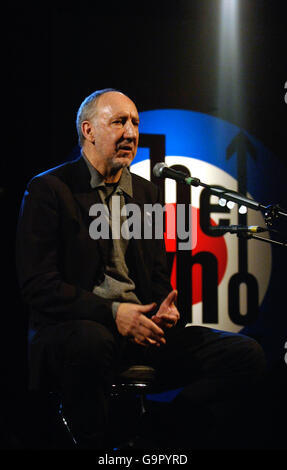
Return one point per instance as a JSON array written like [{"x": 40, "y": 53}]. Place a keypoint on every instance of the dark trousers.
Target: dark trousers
[{"x": 83, "y": 358}]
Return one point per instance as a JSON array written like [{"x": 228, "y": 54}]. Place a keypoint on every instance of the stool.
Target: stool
[{"x": 136, "y": 380}]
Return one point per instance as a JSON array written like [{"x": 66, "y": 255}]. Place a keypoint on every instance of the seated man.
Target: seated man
[{"x": 98, "y": 304}]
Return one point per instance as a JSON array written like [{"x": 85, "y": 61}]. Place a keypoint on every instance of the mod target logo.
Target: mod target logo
[{"x": 223, "y": 279}]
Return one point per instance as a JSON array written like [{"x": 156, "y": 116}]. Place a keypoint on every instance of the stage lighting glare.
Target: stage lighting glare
[{"x": 229, "y": 80}]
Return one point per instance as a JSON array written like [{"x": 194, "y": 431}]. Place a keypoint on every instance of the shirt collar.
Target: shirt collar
[{"x": 97, "y": 180}]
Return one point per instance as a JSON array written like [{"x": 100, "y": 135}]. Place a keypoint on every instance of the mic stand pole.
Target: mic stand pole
[
  {"x": 272, "y": 211},
  {"x": 267, "y": 240}
]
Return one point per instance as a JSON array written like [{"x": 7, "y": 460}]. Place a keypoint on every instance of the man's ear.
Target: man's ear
[{"x": 88, "y": 131}]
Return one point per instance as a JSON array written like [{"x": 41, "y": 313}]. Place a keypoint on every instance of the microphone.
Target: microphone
[
  {"x": 161, "y": 170},
  {"x": 238, "y": 228}
]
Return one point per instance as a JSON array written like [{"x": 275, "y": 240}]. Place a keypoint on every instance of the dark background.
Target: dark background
[{"x": 163, "y": 56}]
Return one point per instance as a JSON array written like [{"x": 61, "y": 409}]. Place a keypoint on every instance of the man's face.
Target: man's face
[{"x": 115, "y": 128}]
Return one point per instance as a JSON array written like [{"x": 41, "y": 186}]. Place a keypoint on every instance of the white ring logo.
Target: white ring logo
[{"x": 259, "y": 260}]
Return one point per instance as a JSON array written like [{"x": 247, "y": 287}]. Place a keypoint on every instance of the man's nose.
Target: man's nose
[{"x": 130, "y": 131}]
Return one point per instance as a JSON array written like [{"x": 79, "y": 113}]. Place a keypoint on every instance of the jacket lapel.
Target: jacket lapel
[
  {"x": 135, "y": 253},
  {"x": 86, "y": 197}
]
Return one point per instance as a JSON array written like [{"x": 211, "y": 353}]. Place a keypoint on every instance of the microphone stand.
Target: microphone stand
[
  {"x": 272, "y": 211},
  {"x": 247, "y": 236}
]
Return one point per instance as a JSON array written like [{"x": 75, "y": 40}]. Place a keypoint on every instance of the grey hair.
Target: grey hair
[{"x": 87, "y": 110}]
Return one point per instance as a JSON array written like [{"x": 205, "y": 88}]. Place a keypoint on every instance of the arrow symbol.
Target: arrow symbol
[{"x": 241, "y": 146}]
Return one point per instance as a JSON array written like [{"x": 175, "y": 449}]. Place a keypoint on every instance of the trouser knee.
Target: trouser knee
[{"x": 257, "y": 360}]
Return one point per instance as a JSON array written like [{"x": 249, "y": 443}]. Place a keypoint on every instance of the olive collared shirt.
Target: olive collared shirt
[{"x": 116, "y": 285}]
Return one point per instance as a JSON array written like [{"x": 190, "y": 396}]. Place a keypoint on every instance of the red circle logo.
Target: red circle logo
[{"x": 204, "y": 243}]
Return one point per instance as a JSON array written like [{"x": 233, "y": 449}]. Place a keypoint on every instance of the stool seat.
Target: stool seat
[{"x": 136, "y": 376}]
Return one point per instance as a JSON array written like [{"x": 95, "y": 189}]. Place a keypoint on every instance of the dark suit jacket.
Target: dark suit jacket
[{"x": 59, "y": 263}]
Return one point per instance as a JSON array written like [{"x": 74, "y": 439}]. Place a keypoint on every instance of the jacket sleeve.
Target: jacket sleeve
[{"x": 37, "y": 260}]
